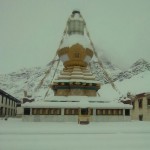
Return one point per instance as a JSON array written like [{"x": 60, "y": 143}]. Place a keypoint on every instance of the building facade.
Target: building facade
[
  {"x": 75, "y": 88},
  {"x": 141, "y": 107},
  {"x": 8, "y": 104},
  {"x": 81, "y": 109}
]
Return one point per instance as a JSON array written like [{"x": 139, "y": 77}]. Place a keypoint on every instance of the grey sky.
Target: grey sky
[{"x": 30, "y": 30}]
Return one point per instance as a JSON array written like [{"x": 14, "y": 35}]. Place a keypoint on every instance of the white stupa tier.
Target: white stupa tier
[
  {"x": 75, "y": 81},
  {"x": 75, "y": 32},
  {"x": 75, "y": 73},
  {"x": 76, "y": 39}
]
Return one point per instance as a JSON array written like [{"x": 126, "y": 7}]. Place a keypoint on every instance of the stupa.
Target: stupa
[
  {"x": 75, "y": 52},
  {"x": 75, "y": 88}
]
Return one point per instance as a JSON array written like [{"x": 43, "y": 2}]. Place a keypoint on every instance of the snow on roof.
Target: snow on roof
[
  {"x": 125, "y": 99},
  {"x": 76, "y": 102},
  {"x": 74, "y": 39}
]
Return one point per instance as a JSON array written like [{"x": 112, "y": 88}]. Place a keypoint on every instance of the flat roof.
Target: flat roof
[
  {"x": 9, "y": 96},
  {"x": 76, "y": 102}
]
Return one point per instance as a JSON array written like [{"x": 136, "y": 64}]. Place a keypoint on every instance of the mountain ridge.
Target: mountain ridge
[{"x": 28, "y": 79}]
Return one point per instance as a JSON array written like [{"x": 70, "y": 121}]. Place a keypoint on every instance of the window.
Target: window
[
  {"x": 2, "y": 99},
  {"x": 26, "y": 111},
  {"x": 140, "y": 103},
  {"x": 115, "y": 112},
  {"x": 148, "y": 101},
  {"x": 54, "y": 111},
  {"x": 5, "y": 101},
  {"x": 33, "y": 111},
  {"x": 38, "y": 111},
  {"x": 70, "y": 111},
  {"x": 1, "y": 111},
  {"x": 8, "y": 111},
  {"x": 46, "y": 111},
  {"x": 14, "y": 112},
  {"x": 84, "y": 111},
  {"x": 11, "y": 112},
  {"x": 127, "y": 112},
  {"x": 106, "y": 112},
  {"x": 5, "y": 111},
  {"x": 109, "y": 112},
  {"x": 100, "y": 111}
]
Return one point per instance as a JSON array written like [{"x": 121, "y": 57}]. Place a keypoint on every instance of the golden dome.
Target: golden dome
[{"x": 76, "y": 55}]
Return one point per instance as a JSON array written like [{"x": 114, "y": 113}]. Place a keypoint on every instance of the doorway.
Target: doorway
[
  {"x": 141, "y": 117},
  {"x": 84, "y": 111},
  {"x": 84, "y": 117}
]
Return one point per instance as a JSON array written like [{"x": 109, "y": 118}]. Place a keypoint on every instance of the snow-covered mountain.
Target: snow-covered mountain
[
  {"x": 109, "y": 67},
  {"x": 28, "y": 79},
  {"x": 139, "y": 66},
  {"x": 135, "y": 85}
]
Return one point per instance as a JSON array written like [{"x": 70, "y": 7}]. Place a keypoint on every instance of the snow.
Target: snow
[
  {"x": 18, "y": 135},
  {"x": 76, "y": 102},
  {"x": 74, "y": 39},
  {"x": 64, "y": 57},
  {"x": 136, "y": 85}
]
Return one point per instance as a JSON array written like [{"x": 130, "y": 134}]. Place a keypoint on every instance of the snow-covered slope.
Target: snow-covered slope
[
  {"x": 137, "y": 84},
  {"x": 134, "y": 80},
  {"x": 139, "y": 66},
  {"x": 25, "y": 79},
  {"x": 110, "y": 68}
]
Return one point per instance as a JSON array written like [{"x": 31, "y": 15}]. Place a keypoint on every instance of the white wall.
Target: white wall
[{"x": 50, "y": 118}]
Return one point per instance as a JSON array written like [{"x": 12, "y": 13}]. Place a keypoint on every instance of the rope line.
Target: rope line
[{"x": 99, "y": 61}]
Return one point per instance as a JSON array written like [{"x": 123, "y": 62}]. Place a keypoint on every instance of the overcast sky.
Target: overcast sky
[{"x": 30, "y": 30}]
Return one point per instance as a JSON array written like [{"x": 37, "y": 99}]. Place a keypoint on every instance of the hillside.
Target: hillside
[{"x": 134, "y": 80}]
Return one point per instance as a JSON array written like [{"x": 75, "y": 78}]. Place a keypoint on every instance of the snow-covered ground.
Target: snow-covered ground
[{"x": 18, "y": 135}]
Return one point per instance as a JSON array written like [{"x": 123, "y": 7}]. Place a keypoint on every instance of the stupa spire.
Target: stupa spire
[{"x": 75, "y": 24}]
